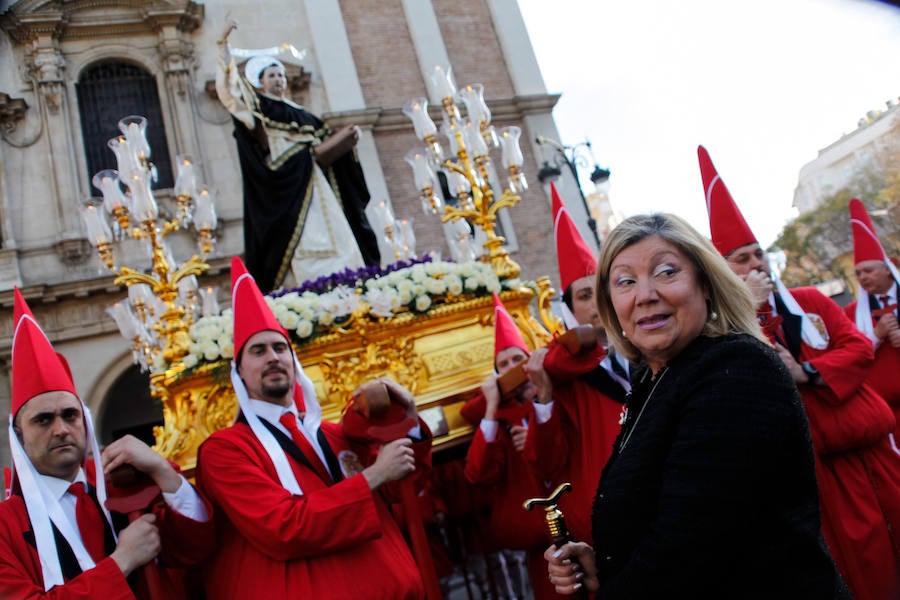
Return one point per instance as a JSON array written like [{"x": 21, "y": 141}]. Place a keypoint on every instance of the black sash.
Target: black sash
[
  {"x": 67, "y": 561},
  {"x": 792, "y": 327},
  {"x": 288, "y": 445}
]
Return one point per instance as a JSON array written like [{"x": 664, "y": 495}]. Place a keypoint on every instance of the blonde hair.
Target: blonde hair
[{"x": 729, "y": 297}]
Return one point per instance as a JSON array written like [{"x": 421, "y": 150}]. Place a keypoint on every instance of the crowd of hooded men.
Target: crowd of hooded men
[{"x": 725, "y": 437}]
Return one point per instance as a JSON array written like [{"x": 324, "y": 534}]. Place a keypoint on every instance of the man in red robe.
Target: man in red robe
[
  {"x": 829, "y": 358},
  {"x": 574, "y": 431},
  {"x": 298, "y": 515},
  {"x": 495, "y": 454},
  {"x": 57, "y": 539},
  {"x": 875, "y": 309}
]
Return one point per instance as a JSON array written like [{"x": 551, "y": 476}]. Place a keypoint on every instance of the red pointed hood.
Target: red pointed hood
[
  {"x": 575, "y": 257},
  {"x": 250, "y": 310},
  {"x": 866, "y": 245},
  {"x": 36, "y": 367},
  {"x": 727, "y": 227},
  {"x": 506, "y": 334}
]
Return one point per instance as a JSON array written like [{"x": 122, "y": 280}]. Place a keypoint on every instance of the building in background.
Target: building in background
[
  {"x": 70, "y": 70},
  {"x": 876, "y": 137}
]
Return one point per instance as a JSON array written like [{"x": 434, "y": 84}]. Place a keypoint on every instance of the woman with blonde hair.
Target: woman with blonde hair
[{"x": 711, "y": 489}]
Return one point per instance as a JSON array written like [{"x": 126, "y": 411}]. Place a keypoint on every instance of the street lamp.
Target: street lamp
[{"x": 573, "y": 156}]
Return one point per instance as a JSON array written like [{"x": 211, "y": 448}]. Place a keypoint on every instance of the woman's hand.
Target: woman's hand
[{"x": 572, "y": 567}]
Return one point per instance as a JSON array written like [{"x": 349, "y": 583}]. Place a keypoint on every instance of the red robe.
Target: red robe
[
  {"x": 884, "y": 376},
  {"x": 857, "y": 470},
  {"x": 333, "y": 541},
  {"x": 576, "y": 442},
  {"x": 185, "y": 542},
  {"x": 511, "y": 481}
]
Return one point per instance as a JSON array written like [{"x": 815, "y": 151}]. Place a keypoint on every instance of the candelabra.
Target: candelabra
[
  {"x": 572, "y": 158},
  {"x": 469, "y": 172},
  {"x": 398, "y": 233},
  {"x": 163, "y": 302}
]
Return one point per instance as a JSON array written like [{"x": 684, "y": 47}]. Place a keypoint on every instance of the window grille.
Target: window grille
[{"x": 108, "y": 91}]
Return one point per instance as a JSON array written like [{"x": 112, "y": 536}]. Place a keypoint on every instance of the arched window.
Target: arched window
[
  {"x": 108, "y": 91},
  {"x": 128, "y": 407}
]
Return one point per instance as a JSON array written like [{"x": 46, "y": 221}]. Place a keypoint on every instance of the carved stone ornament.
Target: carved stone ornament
[{"x": 12, "y": 110}]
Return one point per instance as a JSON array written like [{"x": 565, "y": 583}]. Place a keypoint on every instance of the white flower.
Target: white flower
[
  {"x": 423, "y": 303},
  {"x": 325, "y": 318},
  {"x": 454, "y": 285},
  {"x": 405, "y": 297},
  {"x": 190, "y": 361},
  {"x": 435, "y": 286},
  {"x": 417, "y": 273},
  {"x": 472, "y": 283},
  {"x": 405, "y": 286},
  {"x": 304, "y": 328},
  {"x": 227, "y": 350},
  {"x": 210, "y": 350},
  {"x": 380, "y": 302},
  {"x": 290, "y": 320}
]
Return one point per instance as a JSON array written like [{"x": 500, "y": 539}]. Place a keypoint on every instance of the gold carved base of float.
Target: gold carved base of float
[{"x": 442, "y": 356}]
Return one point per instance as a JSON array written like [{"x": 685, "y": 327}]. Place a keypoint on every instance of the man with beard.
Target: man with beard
[
  {"x": 304, "y": 191},
  {"x": 298, "y": 515}
]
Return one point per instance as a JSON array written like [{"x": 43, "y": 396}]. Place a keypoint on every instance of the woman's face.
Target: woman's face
[{"x": 657, "y": 298}]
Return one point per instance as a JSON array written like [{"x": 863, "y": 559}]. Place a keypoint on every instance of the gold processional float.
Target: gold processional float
[{"x": 425, "y": 323}]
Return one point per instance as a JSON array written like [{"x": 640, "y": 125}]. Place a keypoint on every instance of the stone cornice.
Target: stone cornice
[
  {"x": 393, "y": 119},
  {"x": 28, "y": 20}
]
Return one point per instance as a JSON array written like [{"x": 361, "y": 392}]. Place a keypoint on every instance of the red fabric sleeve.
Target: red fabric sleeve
[
  {"x": 546, "y": 445},
  {"x": 279, "y": 524},
  {"x": 563, "y": 367},
  {"x": 845, "y": 364},
  {"x": 485, "y": 461}
]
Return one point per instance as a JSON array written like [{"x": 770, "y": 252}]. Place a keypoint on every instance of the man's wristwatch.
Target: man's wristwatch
[{"x": 810, "y": 371}]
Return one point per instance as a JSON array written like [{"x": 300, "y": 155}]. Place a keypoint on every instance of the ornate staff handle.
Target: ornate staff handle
[{"x": 556, "y": 523}]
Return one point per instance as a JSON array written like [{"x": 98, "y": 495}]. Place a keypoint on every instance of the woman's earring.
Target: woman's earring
[
  {"x": 623, "y": 334},
  {"x": 713, "y": 315}
]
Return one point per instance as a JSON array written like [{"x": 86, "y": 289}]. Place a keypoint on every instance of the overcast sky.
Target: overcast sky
[{"x": 763, "y": 85}]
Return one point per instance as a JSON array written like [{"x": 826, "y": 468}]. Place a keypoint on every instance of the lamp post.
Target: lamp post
[
  {"x": 573, "y": 157},
  {"x": 162, "y": 302}
]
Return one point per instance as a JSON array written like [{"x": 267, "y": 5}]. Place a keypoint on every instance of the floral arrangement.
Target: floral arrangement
[{"x": 322, "y": 305}]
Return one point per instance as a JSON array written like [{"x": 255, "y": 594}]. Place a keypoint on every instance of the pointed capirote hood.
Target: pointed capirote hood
[
  {"x": 727, "y": 227},
  {"x": 574, "y": 256},
  {"x": 506, "y": 334}
]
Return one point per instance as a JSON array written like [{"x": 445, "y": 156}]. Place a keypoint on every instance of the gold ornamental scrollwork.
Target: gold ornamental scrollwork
[{"x": 392, "y": 357}]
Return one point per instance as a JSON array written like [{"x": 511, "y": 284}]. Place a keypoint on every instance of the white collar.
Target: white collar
[
  {"x": 271, "y": 412},
  {"x": 58, "y": 487}
]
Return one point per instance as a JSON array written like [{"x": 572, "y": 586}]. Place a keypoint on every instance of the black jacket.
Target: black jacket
[{"x": 711, "y": 492}]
